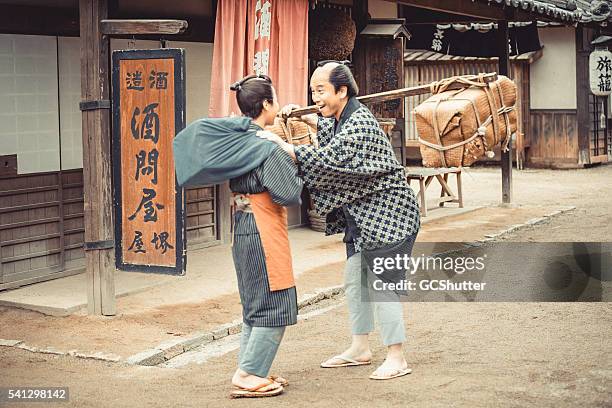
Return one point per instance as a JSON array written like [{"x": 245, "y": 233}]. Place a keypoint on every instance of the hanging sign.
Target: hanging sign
[
  {"x": 261, "y": 36},
  {"x": 600, "y": 72},
  {"x": 148, "y": 110}
]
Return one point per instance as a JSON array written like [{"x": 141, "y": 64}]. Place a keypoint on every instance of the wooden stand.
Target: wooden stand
[
  {"x": 95, "y": 106},
  {"x": 426, "y": 175}
]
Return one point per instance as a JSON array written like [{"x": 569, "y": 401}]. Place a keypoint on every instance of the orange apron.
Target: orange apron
[{"x": 271, "y": 220}]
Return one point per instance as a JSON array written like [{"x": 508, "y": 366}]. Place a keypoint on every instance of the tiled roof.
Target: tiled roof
[{"x": 569, "y": 11}]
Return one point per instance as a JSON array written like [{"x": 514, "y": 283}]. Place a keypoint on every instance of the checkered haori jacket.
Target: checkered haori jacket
[{"x": 357, "y": 168}]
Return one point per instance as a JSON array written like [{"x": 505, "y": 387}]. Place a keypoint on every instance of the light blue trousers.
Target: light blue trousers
[
  {"x": 258, "y": 347},
  {"x": 389, "y": 314}
]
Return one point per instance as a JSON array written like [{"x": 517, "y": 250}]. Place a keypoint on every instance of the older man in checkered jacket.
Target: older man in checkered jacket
[{"x": 355, "y": 179}]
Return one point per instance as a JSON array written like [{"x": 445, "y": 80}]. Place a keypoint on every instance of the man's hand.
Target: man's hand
[
  {"x": 287, "y": 109},
  {"x": 311, "y": 120}
]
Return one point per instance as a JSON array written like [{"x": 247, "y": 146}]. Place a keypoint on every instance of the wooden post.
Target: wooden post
[
  {"x": 582, "y": 95},
  {"x": 504, "y": 65},
  {"x": 360, "y": 14},
  {"x": 95, "y": 106}
]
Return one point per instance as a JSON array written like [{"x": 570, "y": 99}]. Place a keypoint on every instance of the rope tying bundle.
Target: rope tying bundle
[{"x": 489, "y": 89}]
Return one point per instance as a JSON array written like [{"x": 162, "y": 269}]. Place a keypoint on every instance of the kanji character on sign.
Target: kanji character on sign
[
  {"x": 134, "y": 80},
  {"x": 436, "y": 44},
  {"x": 604, "y": 64},
  {"x": 137, "y": 242},
  {"x": 605, "y": 82},
  {"x": 146, "y": 166},
  {"x": 264, "y": 20},
  {"x": 161, "y": 241},
  {"x": 149, "y": 128},
  {"x": 150, "y": 208},
  {"x": 158, "y": 80},
  {"x": 261, "y": 62}
]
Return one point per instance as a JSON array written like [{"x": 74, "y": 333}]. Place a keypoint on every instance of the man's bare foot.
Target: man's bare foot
[
  {"x": 395, "y": 365},
  {"x": 242, "y": 379}
]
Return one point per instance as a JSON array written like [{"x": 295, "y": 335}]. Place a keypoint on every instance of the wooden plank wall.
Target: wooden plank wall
[
  {"x": 42, "y": 226},
  {"x": 202, "y": 216},
  {"x": 554, "y": 138}
]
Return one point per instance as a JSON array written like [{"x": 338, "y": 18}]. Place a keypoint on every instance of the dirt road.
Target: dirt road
[
  {"x": 589, "y": 190},
  {"x": 462, "y": 354}
]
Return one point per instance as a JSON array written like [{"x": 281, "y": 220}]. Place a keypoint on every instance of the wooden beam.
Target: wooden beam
[
  {"x": 98, "y": 201},
  {"x": 137, "y": 27},
  {"x": 33, "y": 20},
  {"x": 503, "y": 36},
  {"x": 463, "y": 7},
  {"x": 200, "y": 29},
  {"x": 416, "y": 15},
  {"x": 360, "y": 14}
]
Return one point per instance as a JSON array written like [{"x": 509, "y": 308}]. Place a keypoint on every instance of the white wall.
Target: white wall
[
  {"x": 69, "y": 60},
  {"x": 382, "y": 9},
  {"x": 198, "y": 67},
  {"x": 29, "y": 111},
  {"x": 40, "y": 91},
  {"x": 553, "y": 77}
]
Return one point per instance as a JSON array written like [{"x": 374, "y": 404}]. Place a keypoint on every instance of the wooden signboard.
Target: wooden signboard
[
  {"x": 384, "y": 72},
  {"x": 148, "y": 110}
]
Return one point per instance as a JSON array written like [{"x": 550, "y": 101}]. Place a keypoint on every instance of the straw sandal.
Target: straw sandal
[
  {"x": 280, "y": 380},
  {"x": 277, "y": 379},
  {"x": 259, "y": 391}
]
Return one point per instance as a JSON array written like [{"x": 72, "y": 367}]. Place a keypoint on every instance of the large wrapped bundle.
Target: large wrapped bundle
[
  {"x": 457, "y": 127},
  {"x": 294, "y": 131}
]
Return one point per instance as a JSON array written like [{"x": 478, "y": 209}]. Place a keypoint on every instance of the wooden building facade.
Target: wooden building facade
[
  {"x": 45, "y": 50},
  {"x": 54, "y": 176},
  {"x": 563, "y": 124},
  {"x": 42, "y": 214}
]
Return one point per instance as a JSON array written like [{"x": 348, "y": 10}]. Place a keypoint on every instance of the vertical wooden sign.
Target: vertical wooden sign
[
  {"x": 148, "y": 110},
  {"x": 385, "y": 71}
]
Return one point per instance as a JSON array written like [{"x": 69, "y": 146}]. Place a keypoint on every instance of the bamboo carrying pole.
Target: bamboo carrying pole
[{"x": 403, "y": 92}]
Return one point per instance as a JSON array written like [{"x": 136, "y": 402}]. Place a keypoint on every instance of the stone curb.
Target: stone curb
[
  {"x": 9, "y": 343},
  {"x": 172, "y": 348},
  {"x": 113, "y": 358},
  {"x": 529, "y": 223}
]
